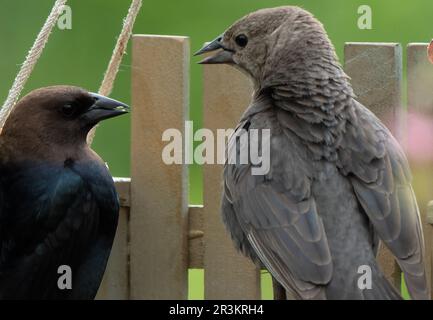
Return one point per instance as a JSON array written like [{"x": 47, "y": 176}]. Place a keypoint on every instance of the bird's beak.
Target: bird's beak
[
  {"x": 224, "y": 56},
  {"x": 104, "y": 108}
]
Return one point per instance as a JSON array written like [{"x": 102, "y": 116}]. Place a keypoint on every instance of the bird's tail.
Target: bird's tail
[
  {"x": 362, "y": 284},
  {"x": 413, "y": 267},
  {"x": 415, "y": 277},
  {"x": 381, "y": 288}
]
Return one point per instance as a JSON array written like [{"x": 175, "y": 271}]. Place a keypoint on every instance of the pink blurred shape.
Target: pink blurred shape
[{"x": 419, "y": 138}]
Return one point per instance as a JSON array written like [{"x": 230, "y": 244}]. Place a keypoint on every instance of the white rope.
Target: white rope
[
  {"x": 30, "y": 61},
  {"x": 118, "y": 53}
]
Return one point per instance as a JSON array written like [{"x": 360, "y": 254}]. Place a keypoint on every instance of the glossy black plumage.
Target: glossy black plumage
[{"x": 58, "y": 203}]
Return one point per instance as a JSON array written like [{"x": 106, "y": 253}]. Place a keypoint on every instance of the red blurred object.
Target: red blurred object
[{"x": 430, "y": 51}]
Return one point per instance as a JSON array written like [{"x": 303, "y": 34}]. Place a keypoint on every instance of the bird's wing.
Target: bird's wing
[
  {"x": 277, "y": 214},
  {"x": 49, "y": 223},
  {"x": 381, "y": 179}
]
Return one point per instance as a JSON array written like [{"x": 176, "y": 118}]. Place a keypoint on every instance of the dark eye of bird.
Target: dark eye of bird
[
  {"x": 68, "y": 110},
  {"x": 241, "y": 40}
]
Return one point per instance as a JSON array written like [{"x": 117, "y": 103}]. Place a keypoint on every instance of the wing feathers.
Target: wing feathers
[{"x": 381, "y": 179}]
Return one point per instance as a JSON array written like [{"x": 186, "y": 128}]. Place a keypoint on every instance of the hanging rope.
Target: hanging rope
[
  {"x": 30, "y": 61},
  {"x": 116, "y": 58}
]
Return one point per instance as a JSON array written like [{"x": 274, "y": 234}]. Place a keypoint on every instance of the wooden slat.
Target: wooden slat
[
  {"x": 115, "y": 284},
  {"x": 123, "y": 187},
  {"x": 376, "y": 72},
  {"x": 419, "y": 79},
  {"x": 228, "y": 275},
  {"x": 195, "y": 227},
  {"x": 195, "y": 237},
  {"x": 420, "y": 101},
  {"x": 428, "y": 233},
  {"x": 159, "y": 208}
]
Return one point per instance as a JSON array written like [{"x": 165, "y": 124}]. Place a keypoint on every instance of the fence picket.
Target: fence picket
[
  {"x": 159, "y": 202},
  {"x": 420, "y": 100},
  {"x": 115, "y": 284},
  {"x": 376, "y": 72},
  {"x": 228, "y": 275}
]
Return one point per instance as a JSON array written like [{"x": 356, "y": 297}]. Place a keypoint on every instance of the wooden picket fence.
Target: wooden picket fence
[{"x": 159, "y": 236}]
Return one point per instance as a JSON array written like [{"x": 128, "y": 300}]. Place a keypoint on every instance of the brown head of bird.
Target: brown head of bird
[
  {"x": 55, "y": 120},
  {"x": 276, "y": 46}
]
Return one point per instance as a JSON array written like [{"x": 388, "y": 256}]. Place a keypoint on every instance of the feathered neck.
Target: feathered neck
[{"x": 314, "y": 103}]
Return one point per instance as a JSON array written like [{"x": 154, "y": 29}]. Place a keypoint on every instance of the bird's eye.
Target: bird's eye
[
  {"x": 241, "y": 40},
  {"x": 68, "y": 110}
]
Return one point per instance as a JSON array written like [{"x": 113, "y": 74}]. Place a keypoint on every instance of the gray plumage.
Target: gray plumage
[{"x": 338, "y": 180}]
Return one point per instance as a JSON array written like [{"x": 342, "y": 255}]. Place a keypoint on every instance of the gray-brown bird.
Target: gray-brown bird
[
  {"x": 58, "y": 205},
  {"x": 338, "y": 180}
]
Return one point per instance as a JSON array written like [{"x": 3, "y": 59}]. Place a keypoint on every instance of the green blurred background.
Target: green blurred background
[{"x": 79, "y": 56}]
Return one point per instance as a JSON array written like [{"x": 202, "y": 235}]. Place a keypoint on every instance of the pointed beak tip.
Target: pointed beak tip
[
  {"x": 104, "y": 108},
  {"x": 210, "y": 46},
  {"x": 205, "y": 49},
  {"x": 103, "y": 100},
  {"x": 223, "y": 56},
  {"x": 201, "y": 52},
  {"x": 123, "y": 109}
]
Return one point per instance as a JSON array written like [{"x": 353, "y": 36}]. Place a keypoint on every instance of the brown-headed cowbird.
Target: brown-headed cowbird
[
  {"x": 58, "y": 205},
  {"x": 338, "y": 180}
]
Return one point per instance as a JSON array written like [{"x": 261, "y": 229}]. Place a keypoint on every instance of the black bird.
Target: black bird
[{"x": 58, "y": 203}]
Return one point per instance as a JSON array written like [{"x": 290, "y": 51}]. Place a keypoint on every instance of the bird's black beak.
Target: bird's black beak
[
  {"x": 224, "y": 56},
  {"x": 104, "y": 108}
]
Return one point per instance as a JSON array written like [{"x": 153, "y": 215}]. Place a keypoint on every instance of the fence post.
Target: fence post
[
  {"x": 420, "y": 101},
  {"x": 159, "y": 202},
  {"x": 115, "y": 284},
  {"x": 376, "y": 72},
  {"x": 228, "y": 275}
]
